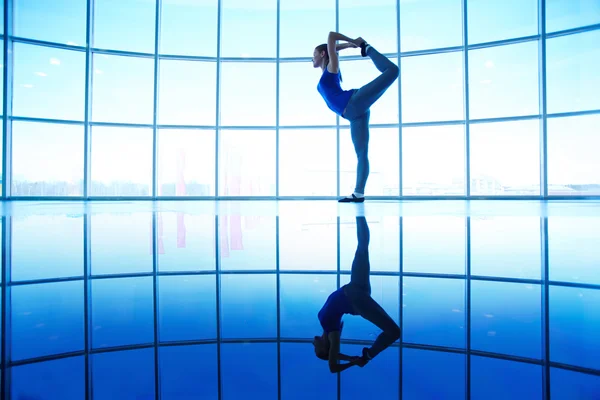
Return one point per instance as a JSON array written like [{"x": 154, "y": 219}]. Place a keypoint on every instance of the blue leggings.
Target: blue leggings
[{"x": 357, "y": 112}]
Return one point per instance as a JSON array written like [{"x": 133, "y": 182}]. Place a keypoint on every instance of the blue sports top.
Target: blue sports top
[
  {"x": 333, "y": 94},
  {"x": 330, "y": 315}
]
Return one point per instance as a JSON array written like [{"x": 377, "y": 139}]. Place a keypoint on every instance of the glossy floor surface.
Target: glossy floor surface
[{"x": 219, "y": 300}]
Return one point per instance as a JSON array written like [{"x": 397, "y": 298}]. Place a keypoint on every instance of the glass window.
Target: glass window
[
  {"x": 505, "y": 158},
  {"x": 186, "y": 162},
  {"x": 565, "y": 384},
  {"x": 503, "y": 81},
  {"x": 249, "y": 28},
  {"x": 307, "y": 242},
  {"x": 506, "y": 318},
  {"x": 573, "y": 82},
  {"x": 123, "y": 89},
  {"x": 188, "y": 91},
  {"x": 2, "y": 72},
  {"x": 248, "y": 306},
  {"x": 430, "y": 24},
  {"x": 46, "y": 319},
  {"x": 48, "y": 82},
  {"x": 181, "y": 367},
  {"x": 374, "y": 21},
  {"x": 301, "y": 297},
  {"x": 123, "y": 374},
  {"x": 295, "y": 17},
  {"x": 504, "y": 379},
  {"x": 61, "y": 21},
  {"x": 567, "y": 14},
  {"x": 127, "y": 25},
  {"x": 432, "y": 87},
  {"x": 59, "y": 251},
  {"x": 47, "y": 159},
  {"x": 356, "y": 74},
  {"x": 433, "y": 161},
  {"x": 259, "y": 363},
  {"x": 186, "y": 242},
  {"x": 64, "y": 378},
  {"x": 299, "y": 101},
  {"x": 307, "y": 162},
  {"x": 434, "y": 311},
  {"x": 382, "y": 375},
  {"x": 247, "y": 242},
  {"x": 304, "y": 376},
  {"x": 121, "y": 243},
  {"x": 248, "y": 94},
  {"x": 187, "y": 307},
  {"x": 445, "y": 234},
  {"x": 247, "y": 163},
  {"x": 508, "y": 19},
  {"x": 189, "y": 28},
  {"x": 121, "y": 161},
  {"x": 573, "y": 162},
  {"x": 433, "y": 374},
  {"x": 122, "y": 312},
  {"x": 506, "y": 246}
]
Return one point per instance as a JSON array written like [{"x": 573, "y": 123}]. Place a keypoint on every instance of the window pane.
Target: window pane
[
  {"x": 432, "y": 88},
  {"x": 46, "y": 319},
  {"x": 307, "y": 162},
  {"x": 430, "y": 24},
  {"x": 567, "y": 14},
  {"x": 299, "y": 232},
  {"x": 382, "y": 376},
  {"x": 123, "y": 89},
  {"x": 47, "y": 159},
  {"x": 186, "y": 22},
  {"x": 121, "y": 161},
  {"x": 61, "y": 21},
  {"x": 374, "y": 21},
  {"x": 188, "y": 91},
  {"x": 187, "y": 307},
  {"x": 506, "y": 246},
  {"x": 247, "y": 101},
  {"x": 573, "y": 81},
  {"x": 58, "y": 250},
  {"x": 48, "y": 82},
  {"x": 121, "y": 243},
  {"x": 259, "y": 363},
  {"x": 434, "y": 311},
  {"x": 295, "y": 16},
  {"x": 247, "y": 242},
  {"x": 304, "y": 376},
  {"x": 506, "y": 318},
  {"x": 433, "y": 161},
  {"x": 241, "y": 296},
  {"x": 492, "y": 146},
  {"x": 503, "y": 81},
  {"x": 186, "y": 162},
  {"x": 432, "y": 374},
  {"x": 249, "y": 29},
  {"x": 126, "y": 25},
  {"x": 186, "y": 242},
  {"x": 301, "y": 298},
  {"x": 503, "y": 379},
  {"x": 573, "y": 162},
  {"x": 181, "y": 367},
  {"x": 567, "y": 384},
  {"x": 298, "y": 91},
  {"x": 64, "y": 379},
  {"x": 359, "y": 73},
  {"x": 491, "y": 21},
  {"x": 123, "y": 374},
  {"x": 445, "y": 234},
  {"x": 247, "y": 163},
  {"x": 122, "y": 312}
]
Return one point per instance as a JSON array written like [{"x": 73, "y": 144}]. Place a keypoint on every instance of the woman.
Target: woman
[
  {"x": 355, "y": 299},
  {"x": 353, "y": 105}
]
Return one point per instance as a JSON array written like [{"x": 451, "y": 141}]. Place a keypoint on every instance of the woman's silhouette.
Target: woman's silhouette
[{"x": 354, "y": 298}]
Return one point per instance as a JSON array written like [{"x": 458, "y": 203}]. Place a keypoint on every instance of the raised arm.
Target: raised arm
[
  {"x": 334, "y": 63},
  {"x": 335, "y": 356}
]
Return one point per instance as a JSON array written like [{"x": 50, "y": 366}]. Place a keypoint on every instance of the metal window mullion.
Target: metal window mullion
[
  {"x": 542, "y": 99},
  {"x": 467, "y": 157},
  {"x": 277, "y": 72},
  {"x": 7, "y": 75},
  {"x": 218, "y": 300},
  {"x": 154, "y": 189},
  {"x": 545, "y": 300},
  {"x": 337, "y": 137},
  {"x": 87, "y": 302},
  {"x": 399, "y": 48},
  {"x": 218, "y": 98},
  {"x": 89, "y": 62},
  {"x": 468, "y": 307},
  {"x": 6, "y": 330}
]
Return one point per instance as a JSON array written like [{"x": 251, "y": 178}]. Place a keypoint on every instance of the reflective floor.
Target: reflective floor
[{"x": 219, "y": 300}]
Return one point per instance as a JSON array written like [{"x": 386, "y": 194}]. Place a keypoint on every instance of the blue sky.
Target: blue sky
[{"x": 503, "y": 82}]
